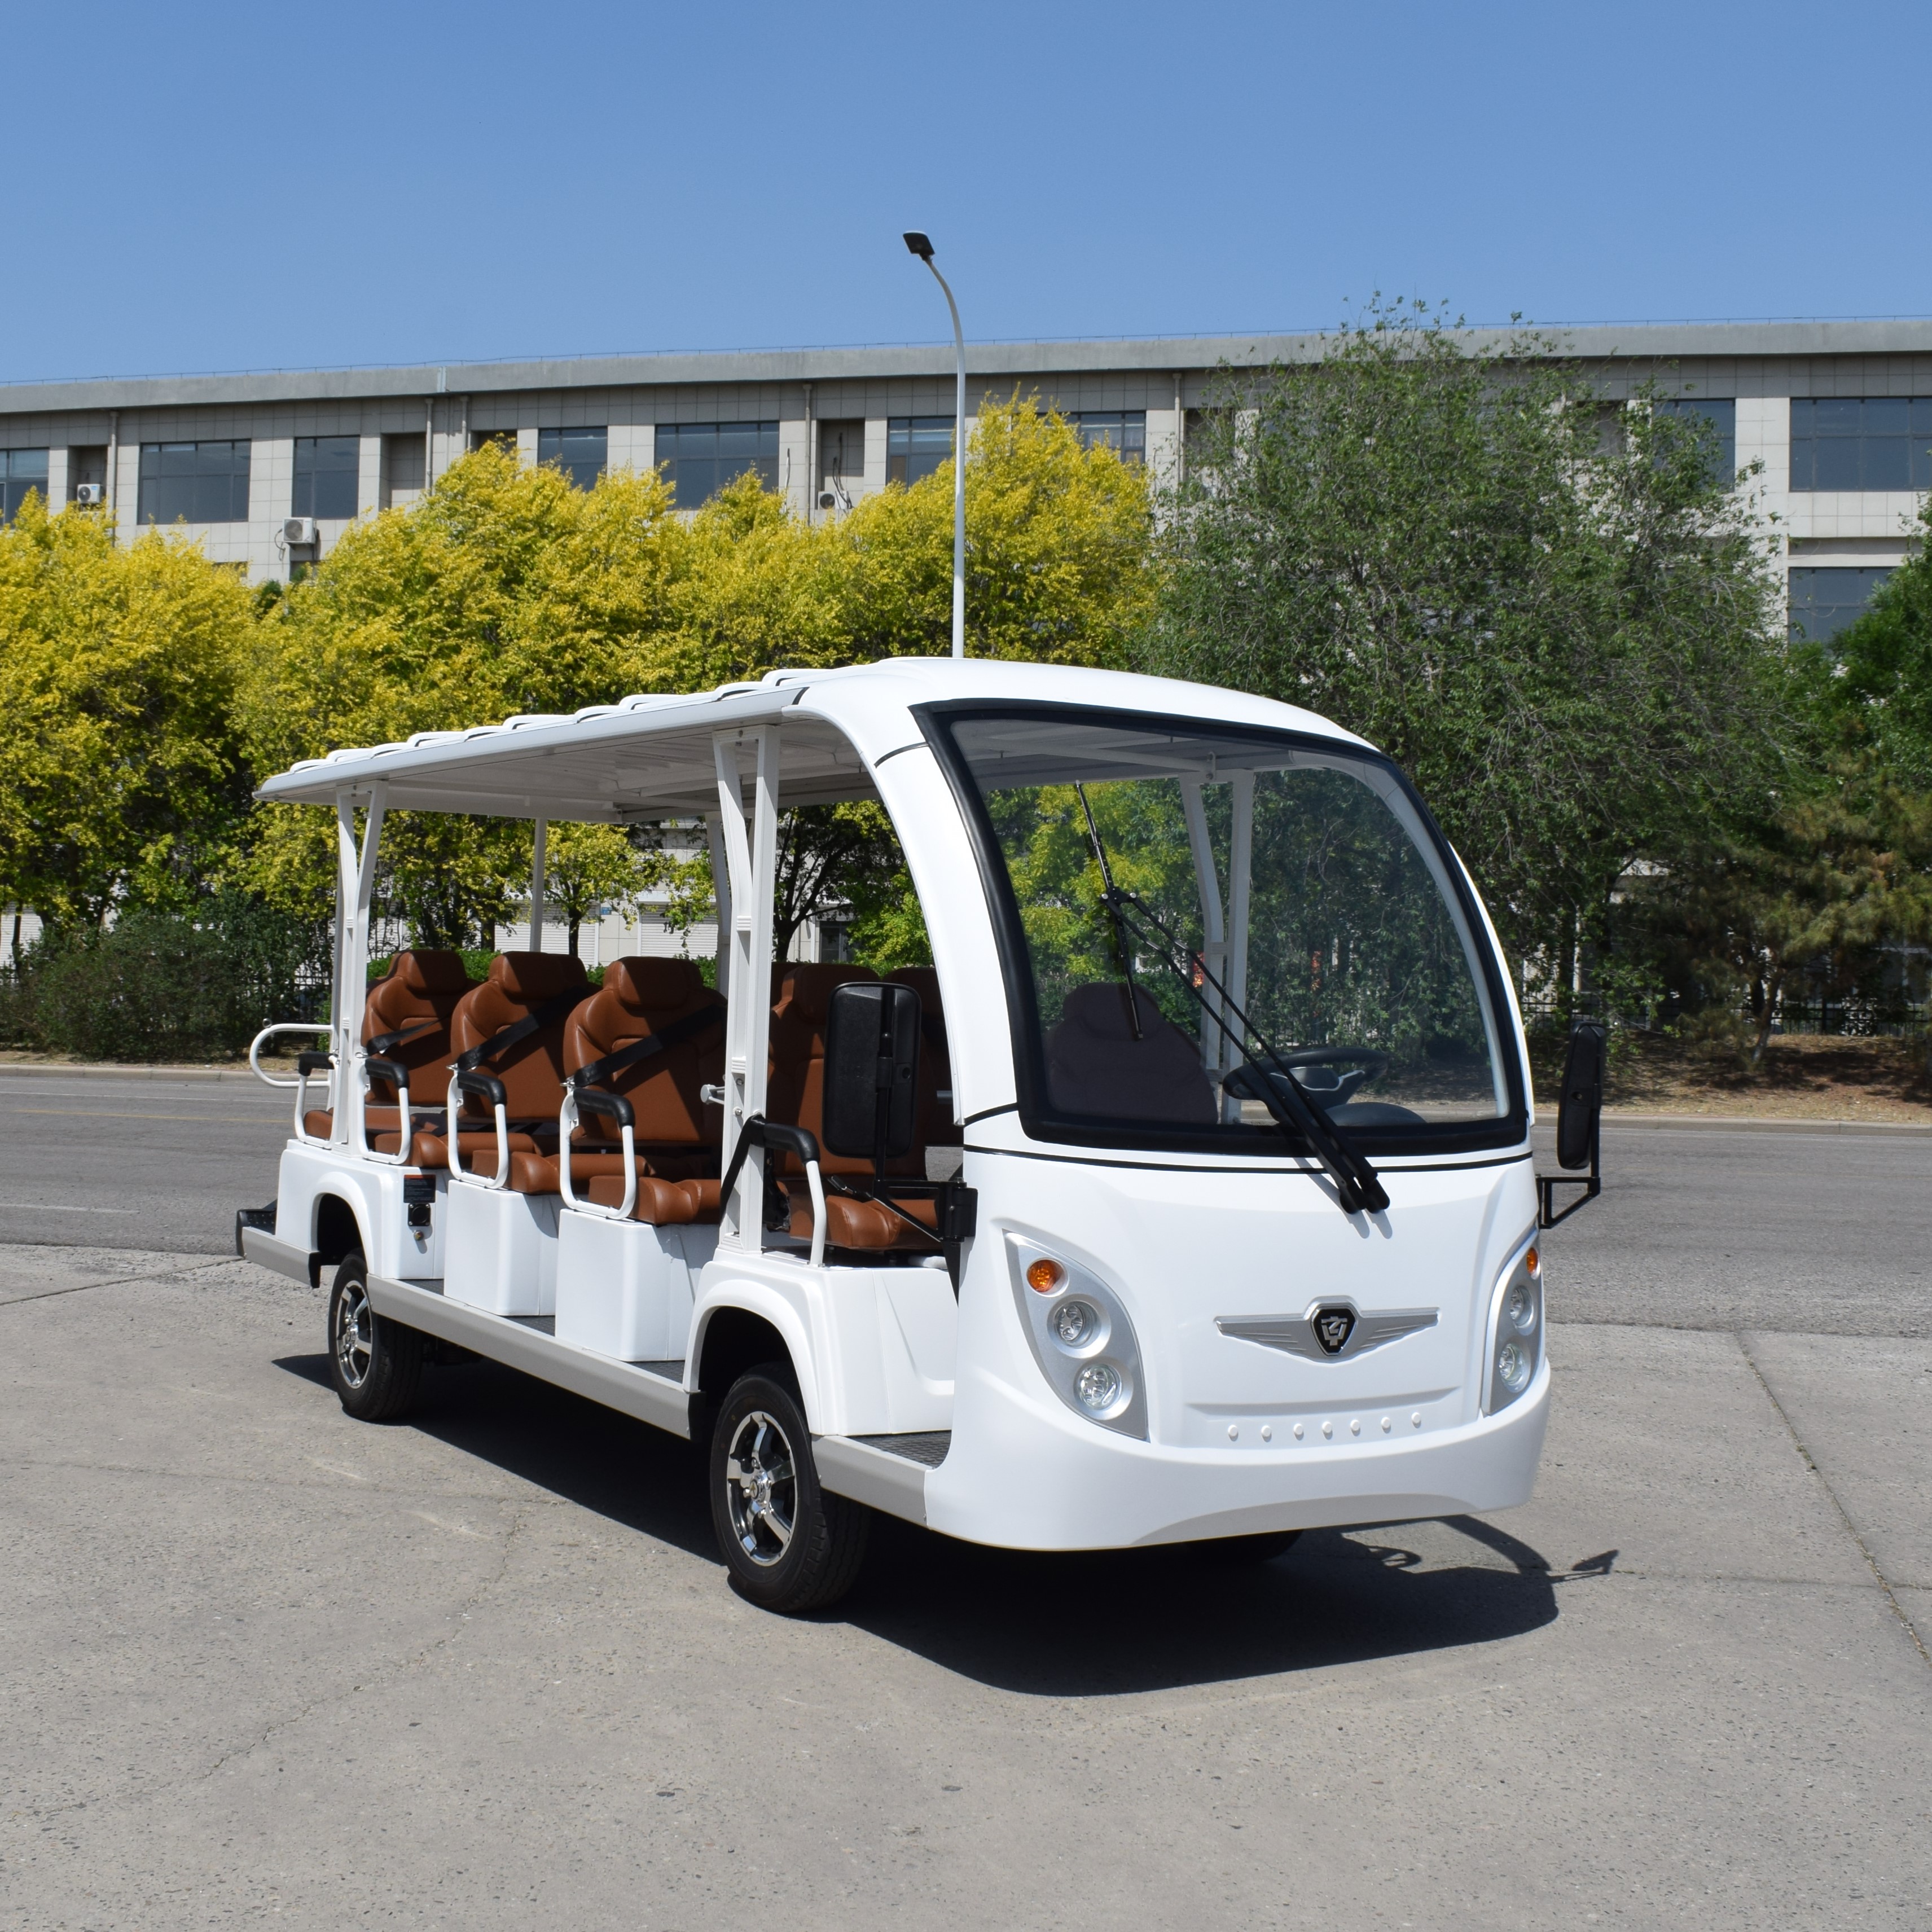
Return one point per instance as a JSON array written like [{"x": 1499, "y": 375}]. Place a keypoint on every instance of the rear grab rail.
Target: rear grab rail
[
  {"x": 485, "y": 1087},
  {"x": 577, "y": 1100}
]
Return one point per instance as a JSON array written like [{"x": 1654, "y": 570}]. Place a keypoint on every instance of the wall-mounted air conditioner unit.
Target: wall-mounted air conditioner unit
[
  {"x": 297, "y": 530},
  {"x": 90, "y": 495}
]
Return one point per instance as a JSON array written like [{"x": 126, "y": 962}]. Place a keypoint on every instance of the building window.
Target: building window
[
  {"x": 326, "y": 472},
  {"x": 21, "y": 470},
  {"x": 1721, "y": 413},
  {"x": 1122, "y": 430},
  {"x": 699, "y": 459},
  {"x": 200, "y": 482},
  {"x": 579, "y": 453},
  {"x": 1825, "y": 600},
  {"x": 402, "y": 468},
  {"x": 1861, "y": 442},
  {"x": 87, "y": 463},
  {"x": 841, "y": 460},
  {"x": 504, "y": 440},
  {"x": 915, "y": 446}
]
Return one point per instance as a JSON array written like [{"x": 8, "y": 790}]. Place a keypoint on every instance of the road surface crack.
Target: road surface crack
[{"x": 1851, "y": 1529}]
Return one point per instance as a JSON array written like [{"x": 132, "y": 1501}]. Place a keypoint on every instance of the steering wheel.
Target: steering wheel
[{"x": 1354, "y": 1065}]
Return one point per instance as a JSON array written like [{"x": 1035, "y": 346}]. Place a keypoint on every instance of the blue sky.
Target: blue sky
[{"x": 226, "y": 187}]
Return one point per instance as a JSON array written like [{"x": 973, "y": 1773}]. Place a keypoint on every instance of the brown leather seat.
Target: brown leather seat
[
  {"x": 795, "y": 1093},
  {"x": 519, "y": 985},
  {"x": 1095, "y": 1065},
  {"x": 415, "y": 997},
  {"x": 676, "y": 1136}
]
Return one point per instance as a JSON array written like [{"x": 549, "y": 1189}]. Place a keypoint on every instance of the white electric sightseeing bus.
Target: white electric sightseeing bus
[{"x": 1186, "y": 1195}]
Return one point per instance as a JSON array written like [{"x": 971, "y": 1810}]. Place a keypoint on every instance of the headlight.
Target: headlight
[
  {"x": 1080, "y": 1337},
  {"x": 1514, "y": 1335}
]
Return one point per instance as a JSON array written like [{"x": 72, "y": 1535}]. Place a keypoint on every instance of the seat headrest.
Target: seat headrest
[
  {"x": 534, "y": 977},
  {"x": 806, "y": 990},
  {"x": 430, "y": 972},
  {"x": 924, "y": 980},
  {"x": 646, "y": 985},
  {"x": 1101, "y": 1009}
]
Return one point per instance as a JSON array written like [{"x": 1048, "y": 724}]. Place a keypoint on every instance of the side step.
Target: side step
[
  {"x": 518, "y": 1345},
  {"x": 886, "y": 1472}
]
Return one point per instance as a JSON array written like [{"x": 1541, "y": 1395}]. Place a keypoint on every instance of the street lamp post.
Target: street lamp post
[{"x": 922, "y": 247}]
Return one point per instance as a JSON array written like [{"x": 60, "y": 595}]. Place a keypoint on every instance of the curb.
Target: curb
[
  {"x": 95, "y": 1071},
  {"x": 1748, "y": 1124}
]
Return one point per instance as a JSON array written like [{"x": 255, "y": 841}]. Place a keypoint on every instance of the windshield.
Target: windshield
[{"x": 1286, "y": 880}]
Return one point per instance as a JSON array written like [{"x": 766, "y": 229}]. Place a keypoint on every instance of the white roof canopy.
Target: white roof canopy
[{"x": 652, "y": 757}]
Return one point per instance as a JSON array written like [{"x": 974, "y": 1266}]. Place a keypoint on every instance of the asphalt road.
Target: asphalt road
[
  {"x": 158, "y": 1165},
  {"x": 1820, "y": 1234},
  {"x": 482, "y": 1669}
]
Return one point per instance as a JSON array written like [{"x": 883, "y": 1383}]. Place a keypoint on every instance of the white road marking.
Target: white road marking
[{"x": 57, "y": 1207}]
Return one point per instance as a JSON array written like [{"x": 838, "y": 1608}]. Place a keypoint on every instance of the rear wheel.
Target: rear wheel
[
  {"x": 375, "y": 1363},
  {"x": 790, "y": 1547}
]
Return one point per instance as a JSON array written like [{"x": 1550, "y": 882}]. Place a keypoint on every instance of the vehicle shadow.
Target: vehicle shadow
[
  {"x": 625, "y": 1471},
  {"x": 1097, "y": 1623},
  {"x": 1102, "y": 1624}
]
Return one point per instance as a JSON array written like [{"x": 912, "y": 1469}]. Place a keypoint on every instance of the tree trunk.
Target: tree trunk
[
  {"x": 576, "y": 927},
  {"x": 1769, "y": 989}
]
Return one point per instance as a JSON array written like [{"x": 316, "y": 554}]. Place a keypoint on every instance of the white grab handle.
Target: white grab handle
[{"x": 255, "y": 1049}]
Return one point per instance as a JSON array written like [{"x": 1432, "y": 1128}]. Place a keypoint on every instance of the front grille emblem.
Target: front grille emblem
[
  {"x": 1333, "y": 1328},
  {"x": 1329, "y": 1331}
]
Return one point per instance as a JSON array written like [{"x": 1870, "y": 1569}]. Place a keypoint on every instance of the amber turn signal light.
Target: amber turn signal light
[
  {"x": 1532, "y": 1260},
  {"x": 1043, "y": 1276}
]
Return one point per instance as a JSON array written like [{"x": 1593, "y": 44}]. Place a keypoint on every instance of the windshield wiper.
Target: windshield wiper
[{"x": 1358, "y": 1188}]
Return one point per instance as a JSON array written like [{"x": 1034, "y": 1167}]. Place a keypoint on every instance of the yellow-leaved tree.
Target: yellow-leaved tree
[
  {"x": 1057, "y": 540},
  {"x": 506, "y": 590},
  {"x": 120, "y": 778}
]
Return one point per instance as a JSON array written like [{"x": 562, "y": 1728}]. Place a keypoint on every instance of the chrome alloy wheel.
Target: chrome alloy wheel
[
  {"x": 761, "y": 1488},
  {"x": 355, "y": 1334}
]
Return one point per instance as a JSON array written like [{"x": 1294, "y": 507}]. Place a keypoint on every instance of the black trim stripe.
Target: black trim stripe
[{"x": 1311, "y": 1172}]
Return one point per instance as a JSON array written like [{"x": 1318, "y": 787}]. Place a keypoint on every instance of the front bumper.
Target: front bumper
[{"x": 1021, "y": 1477}]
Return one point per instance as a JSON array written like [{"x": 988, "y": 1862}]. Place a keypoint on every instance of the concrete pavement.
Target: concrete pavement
[{"x": 482, "y": 1669}]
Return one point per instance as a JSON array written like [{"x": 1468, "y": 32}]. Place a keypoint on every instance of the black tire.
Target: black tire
[
  {"x": 790, "y": 1546},
  {"x": 375, "y": 1364},
  {"x": 1239, "y": 1552}
]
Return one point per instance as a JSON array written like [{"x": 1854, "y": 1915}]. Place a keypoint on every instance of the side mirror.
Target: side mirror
[
  {"x": 1581, "y": 1106},
  {"x": 1579, "y": 1113},
  {"x": 871, "y": 1071}
]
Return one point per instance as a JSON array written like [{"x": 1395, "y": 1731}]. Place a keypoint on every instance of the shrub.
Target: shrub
[{"x": 158, "y": 986}]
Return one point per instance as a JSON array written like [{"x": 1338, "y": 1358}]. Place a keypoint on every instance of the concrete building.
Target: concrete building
[{"x": 1839, "y": 413}]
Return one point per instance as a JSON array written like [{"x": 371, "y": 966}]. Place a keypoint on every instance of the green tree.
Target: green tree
[
  {"x": 1805, "y": 893},
  {"x": 1876, "y": 679},
  {"x": 587, "y": 867},
  {"x": 1567, "y": 637},
  {"x": 120, "y": 775}
]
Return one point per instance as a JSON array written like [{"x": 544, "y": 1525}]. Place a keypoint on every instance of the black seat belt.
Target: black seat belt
[
  {"x": 675, "y": 1034},
  {"x": 535, "y": 1020},
  {"x": 387, "y": 1042}
]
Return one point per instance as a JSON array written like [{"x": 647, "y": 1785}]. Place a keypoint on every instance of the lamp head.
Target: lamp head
[{"x": 919, "y": 245}]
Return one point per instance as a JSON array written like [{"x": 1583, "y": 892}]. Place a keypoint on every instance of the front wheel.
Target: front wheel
[
  {"x": 375, "y": 1363},
  {"x": 790, "y": 1547}
]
